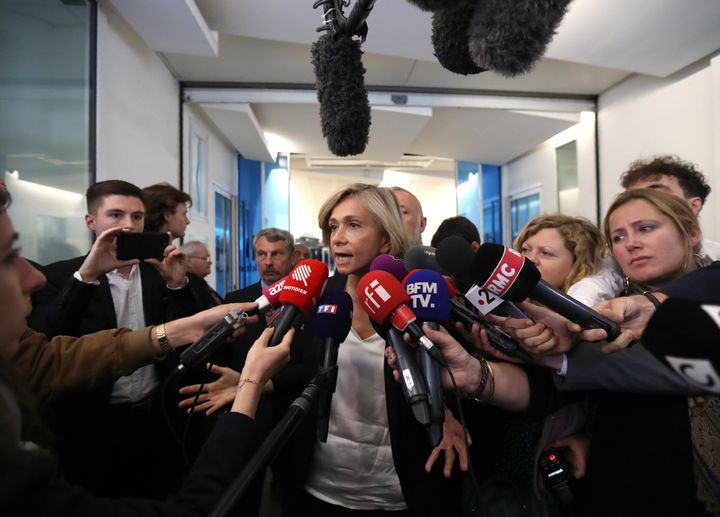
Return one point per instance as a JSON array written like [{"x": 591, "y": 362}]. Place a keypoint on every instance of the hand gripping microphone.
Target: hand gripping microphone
[
  {"x": 506, "y": 274},
  {"x": 685, "y": 336},
  {"x": 331, "y": 322},
  {"x": 299, "y": 295},
  {"x": 430, "y": 299},
  {"x": 498, "y": 339},
  {"x": 385, "y": 301},
  {"x": 204, "y": 347},
  {"x": 412, "y": 381}
]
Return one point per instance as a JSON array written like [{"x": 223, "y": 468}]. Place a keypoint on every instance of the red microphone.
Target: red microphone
[
  {"x": 302, "y": 288},
  {"x": 385, "y": 300},
  {"x": 270, "y": 298}
]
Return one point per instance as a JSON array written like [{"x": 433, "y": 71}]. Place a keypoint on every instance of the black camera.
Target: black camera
[{"x": 556, "y": 473}]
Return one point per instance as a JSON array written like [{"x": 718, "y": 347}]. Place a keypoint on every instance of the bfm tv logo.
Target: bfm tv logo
[
  {"x": 327, "y": 309},
  {"x": 375, "y": 289},
  {"x": 421, "y": 294},
  {"x": 502, "y": 279}
]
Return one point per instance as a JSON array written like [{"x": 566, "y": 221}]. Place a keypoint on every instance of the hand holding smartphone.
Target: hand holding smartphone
[{"x": 144, "y": 245}]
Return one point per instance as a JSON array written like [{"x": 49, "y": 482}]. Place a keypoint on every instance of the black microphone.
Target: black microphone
[
  {"x": 204, "y": 347},
  {"x": 331, "y": 322},
  {"x": 340, "y": 80},
  {"x": 510, "y": 36},
  {"x": 434, "y": 5},
  {"x": 450, "y": 38},
  {"x": 685, "y": 336},
  {"x": 506, "y": 274},
  {"x": 413, "y": 384}
]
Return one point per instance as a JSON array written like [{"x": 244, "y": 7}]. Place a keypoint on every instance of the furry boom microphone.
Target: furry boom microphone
[
  {"x": 509, "y": 36},
  {"x": 435, "y": 5},
  {"x": 340, "y": 83},
  {"x": 450, "y": 38}
]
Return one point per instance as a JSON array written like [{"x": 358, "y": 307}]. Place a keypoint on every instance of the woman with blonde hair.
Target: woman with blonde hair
[
  {"x": 373, "y": 461},
  {"x": 565, "y": 249}
]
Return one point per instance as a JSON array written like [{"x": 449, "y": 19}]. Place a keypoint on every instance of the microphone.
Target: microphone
[
  {"x": 331, "y": 322},
  {"x": 422, "y": 257},
  {"x": 505, "y": 273},
  {"x": 385, "y": 301},
  {"x": 455, "y": 254},
  {"x": 434, "y": 5},
  {"x": 498, "y": 339},
  {"x": 340, "y": 78},
  {"x": 301, "y": 291},
  {"x": 450, "y": 38},
  {"x": 510, "y": 36},
  {"x": 685, "y": 336},
  {"x": 390, "y": 264},
  {"x": 412, "y": 378},
  {"x": 204, "y": 347},
  {"x": 430, "y": 297},
  {"x": 270, "y": 297}
]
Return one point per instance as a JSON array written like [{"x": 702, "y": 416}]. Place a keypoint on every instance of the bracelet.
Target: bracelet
[
  {"x": 486, "y": 375},
  {"x": 650, "y": 296},
  {"x": 163, "y": 341},
  {"x": 242, "y": 382}
]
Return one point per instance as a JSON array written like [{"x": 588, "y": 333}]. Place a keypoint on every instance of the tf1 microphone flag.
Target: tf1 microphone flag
[
  {"x": 331, "y": 322},
  {"x": 302, "y": 288},
  {"x": 685, "y": 336}
]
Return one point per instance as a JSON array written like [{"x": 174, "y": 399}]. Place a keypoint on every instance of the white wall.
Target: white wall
[
  {"x": 138, "y": 116},
  {"x": 537, "y": 171},
  {"x": 222, "y": 176},
  {"x": 679, "y": 115}
]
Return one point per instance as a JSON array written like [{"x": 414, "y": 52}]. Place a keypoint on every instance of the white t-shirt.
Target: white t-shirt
[{"x": 355, "y": 468}]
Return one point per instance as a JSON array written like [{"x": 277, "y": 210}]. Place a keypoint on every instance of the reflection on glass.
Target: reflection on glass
[{"x": 45, "y": 122}]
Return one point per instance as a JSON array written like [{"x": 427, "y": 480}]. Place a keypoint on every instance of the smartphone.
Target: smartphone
[{"x": 133, "y": 245}]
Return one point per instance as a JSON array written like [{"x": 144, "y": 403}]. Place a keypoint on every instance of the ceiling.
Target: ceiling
[{"x": 267, "y": 43}]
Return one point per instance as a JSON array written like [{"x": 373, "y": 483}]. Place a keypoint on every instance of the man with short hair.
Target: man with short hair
[
  {"x": 665, "y": 172},
  {"x": 197, "y": 258},
  {"x": 166, "y": 209},
  {"x": 274, "y": 252},
  {"x": 412, "y": 214},
  {"x": 113, "y": 440},
  {"x": 460, "y": 226}
]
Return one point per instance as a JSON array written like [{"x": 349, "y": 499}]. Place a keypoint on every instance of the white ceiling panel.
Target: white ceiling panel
[
  {"x": 169, "y": 25},
  {"x": 239, "y": 125},
  {"x": 485, "y": 136},
  {"x": 655, "y": 37}
]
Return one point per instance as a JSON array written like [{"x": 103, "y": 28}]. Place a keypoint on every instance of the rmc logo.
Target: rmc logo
[{"x": 505, "y": 273}]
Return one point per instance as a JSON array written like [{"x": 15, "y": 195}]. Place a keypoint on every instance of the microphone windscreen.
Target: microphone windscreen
[
  {"x": 333, "y": 315},
  {"x": 510, "y": 36},
  {"x": 392, "y": 265},
  {"x": 421, "y": 257},
  {"x": 272, "y": 293},
  {"x": 504, "y": 272},
  {"x": 429, "y": 295},
  {"x": 379, "y": 294},
  {"x": 434, "y": 5},
  {"x": 304, "y": 285},
  {"x": 450, "y": 38},
  {"x": 340, "y": 84},
  {"x": 685, "y": 336},
  {"x": 455, "y": 255}
]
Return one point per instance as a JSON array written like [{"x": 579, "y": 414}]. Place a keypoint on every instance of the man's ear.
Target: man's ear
[
  {"x": 695, "y": 203},
  {"x": 167, "y": 216},
  {"x": 90, "y": 221},
  {"x": 423, "y": 224}
]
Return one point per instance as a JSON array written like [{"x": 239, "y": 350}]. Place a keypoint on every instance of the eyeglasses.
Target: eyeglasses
[{"x": 207, "y": 259}]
